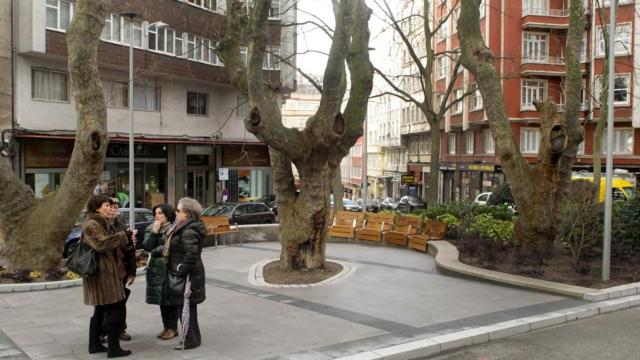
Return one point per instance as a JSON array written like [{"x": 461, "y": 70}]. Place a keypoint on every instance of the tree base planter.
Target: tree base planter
[
  {"x": 446, "y": 257},
  {"x": 49, "y": 285},
  {"x": 257, "y": 278}
]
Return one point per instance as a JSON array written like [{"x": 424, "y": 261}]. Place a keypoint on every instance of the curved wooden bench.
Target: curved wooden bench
[
  {"x": 375, "y": 226},
  {"x": 345, "y": 223},
  {"x": 405, "y": 225},
  {"x": 434, "y": 230}
]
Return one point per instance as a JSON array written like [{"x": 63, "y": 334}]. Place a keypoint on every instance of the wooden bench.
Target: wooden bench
[
  {"x": 405, "y": 225},
  {"x": 345, "y": 223},
  {"x": 219, "y": 225},
  {"x": 375, "y": 226},
  {"x": 434, "y": 230}
]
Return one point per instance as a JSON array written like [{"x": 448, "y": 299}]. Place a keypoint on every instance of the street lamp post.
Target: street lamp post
[
  {"x": 132, "y": 194},
  {"x": 606, "y": 251}
]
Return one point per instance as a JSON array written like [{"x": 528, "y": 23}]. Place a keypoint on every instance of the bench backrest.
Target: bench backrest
[
  {"x": 436, "y": 229},
  {"x": 380, "y": 222},
  {"x": 348, "y": 218},
  {"x": 408, "y": 224},
  {"x": 216, "y": 224}
]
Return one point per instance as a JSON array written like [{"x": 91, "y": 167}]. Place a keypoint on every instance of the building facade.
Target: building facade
[
  {"x": 528, "y": 39},
  {"x": 188, "y": 119}
]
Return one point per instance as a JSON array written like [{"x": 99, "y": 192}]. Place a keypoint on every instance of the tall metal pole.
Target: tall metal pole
[
  {"x": 132, "y": 193},
  {"x": 606, "y": 251},
  {"x": 364, "y": 167}
]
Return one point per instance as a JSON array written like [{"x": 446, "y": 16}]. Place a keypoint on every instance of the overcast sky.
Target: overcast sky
[{"x": 310, "y": 38}]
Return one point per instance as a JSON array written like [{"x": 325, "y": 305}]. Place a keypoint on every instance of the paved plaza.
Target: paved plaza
[{"x": 394, "y": 296}]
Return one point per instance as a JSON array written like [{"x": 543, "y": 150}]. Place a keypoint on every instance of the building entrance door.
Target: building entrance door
[{"x": 197, "y": 185}]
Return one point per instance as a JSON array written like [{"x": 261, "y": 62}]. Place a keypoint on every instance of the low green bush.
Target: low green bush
[
  {"x": 486, "y": 227},
  {"x": 501, "y": 194},
  {"x": 625, "y": 229},
  {"x": 453, "y": 225}
]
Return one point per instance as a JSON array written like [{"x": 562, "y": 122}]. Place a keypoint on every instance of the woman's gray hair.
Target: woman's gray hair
[{"x": 191, "y": 207}]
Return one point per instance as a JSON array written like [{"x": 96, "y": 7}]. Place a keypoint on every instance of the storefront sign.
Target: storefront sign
[
  {"x": 120, "y": 150},
  {"x": 480, "y": 167},
  {"x": 223, "y": 174},
  {"x": 407, "y": 179},
  {"x": 47, "y": 153}
]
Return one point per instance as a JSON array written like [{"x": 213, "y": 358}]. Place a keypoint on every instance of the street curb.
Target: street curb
[
  {"x": 447, "y": 257},
  {"x": 472, "y": 336},
  {"x": 49, "y": 285},
  {"x": 256, "y": 278}
]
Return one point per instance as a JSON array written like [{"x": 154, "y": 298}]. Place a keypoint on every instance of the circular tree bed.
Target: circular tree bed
[{"x": 274, "y": 275}]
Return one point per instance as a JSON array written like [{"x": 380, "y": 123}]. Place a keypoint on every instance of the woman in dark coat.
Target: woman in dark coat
[
  {"x": 156, "y": 268},
  {"x": 105, "y": 289},
  {"x": 182, "y": 250}
]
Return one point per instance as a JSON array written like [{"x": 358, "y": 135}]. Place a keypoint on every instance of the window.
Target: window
[
  {"x": 59, "y": 14},
  {"x": 146, "y": 97},
  {"x": 532, "y": 90},
  {"x": 620, "y": 89},
  {"x": 535, "y": 47},
  {"x": 190, "y": 46},
  {"x": 529, "y": 140},
  {"x": 49, "y": 85},
  {"x": 483, "y": 9},
  {"x": 606, "y": 3},
  {"x": 211, "y": 5},
  {"x": 476, "y": 100},
  {"x": 443, "y": 32},
  {"x": 197, "y": 103},
  {"x": 356, "y": 172},
  {"x": 356, "y": 150},
  {"x": 469, "y": 142},
  {"x": 274, "y": 11},
  {"x": 457, "y": 95},
  {"x": 622, "y": 141},
  {"x": 622, "y": 38},
  {"x": 441, "y": 65},
  {"x": 244, "y": 55},
  {"x": 242, "y": 107},
  {"x": 116, "y": 93},
  {"x": 451, "y": 144},
  {"x": 271, "y": 59},
  {"x": 489, "y": 145}
]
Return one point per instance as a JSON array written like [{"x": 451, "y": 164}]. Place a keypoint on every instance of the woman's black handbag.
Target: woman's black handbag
[{"x": 83, "y": 260}]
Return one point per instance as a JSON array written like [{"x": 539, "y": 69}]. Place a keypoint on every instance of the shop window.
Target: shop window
[
  {"x": 197, "y": 103},
  {"x": 49, "y": 85}
]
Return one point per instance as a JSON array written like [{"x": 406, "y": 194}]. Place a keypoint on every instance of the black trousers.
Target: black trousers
[
  {"x": 193, "y": 338},
  {"x": 110, "y": 315},
  {"x": 169, "y": 315}
]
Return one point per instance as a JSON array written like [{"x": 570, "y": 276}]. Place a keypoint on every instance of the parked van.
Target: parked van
[{"x": 621, "y": 189}]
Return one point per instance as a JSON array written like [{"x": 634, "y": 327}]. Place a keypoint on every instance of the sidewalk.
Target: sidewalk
[
  {"x": 394, "y": 296},
  {"x": 611, "y": 336}
]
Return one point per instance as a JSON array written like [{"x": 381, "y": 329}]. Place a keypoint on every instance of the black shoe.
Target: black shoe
[
  {"x": 114, "y": 350},
  {"x": 97, "y": 348}
]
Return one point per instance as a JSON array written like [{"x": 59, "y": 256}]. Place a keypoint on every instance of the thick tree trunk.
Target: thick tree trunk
[
  {"x": 337, "y": 189},
  {"x": 35, "y": 230},
  {"x": 434, "y": 174},
  {"x": 538, "y": 192}
]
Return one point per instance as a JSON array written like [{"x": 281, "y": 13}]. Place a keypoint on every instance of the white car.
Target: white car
[{"x": 482, "y": 198}]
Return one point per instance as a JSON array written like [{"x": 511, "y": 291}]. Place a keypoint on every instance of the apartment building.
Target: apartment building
[
  {"x": 528, "y": 39},
  {"x": 188, "y": 119}
]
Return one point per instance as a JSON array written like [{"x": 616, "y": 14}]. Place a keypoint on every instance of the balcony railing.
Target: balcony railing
[
  {"x": 545, "y": 12},
  {"x": 543, "y": 59}
]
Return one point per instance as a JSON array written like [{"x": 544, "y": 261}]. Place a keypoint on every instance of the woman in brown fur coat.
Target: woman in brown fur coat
[{"x": 104, "y": 290}]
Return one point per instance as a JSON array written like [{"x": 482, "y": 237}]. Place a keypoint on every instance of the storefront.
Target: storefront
[
  {"x": 46, "y": 161},
  {"x": 249, "y": 174},
  {"x": 416, "y": 188}
]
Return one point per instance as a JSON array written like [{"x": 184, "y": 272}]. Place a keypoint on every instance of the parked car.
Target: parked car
[
  {"x": 373, "y": 205},
  {"x": 243, "y": 213},
  {"x": 389, "y": 203},
  {"x": 410, "y": 203},
  {"x": 143, "y": 218},
  {"x": 350, "y": 205},
  {"x": 482, "y": 198},
  {"x": 266, "y": 199}
]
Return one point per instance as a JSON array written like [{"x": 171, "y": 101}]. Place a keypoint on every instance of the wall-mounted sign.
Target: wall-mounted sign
[
  {"x": 407, "y": 179},
  {"x": 223, "y": 174},
  {"x": 480, "y": 167}
]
